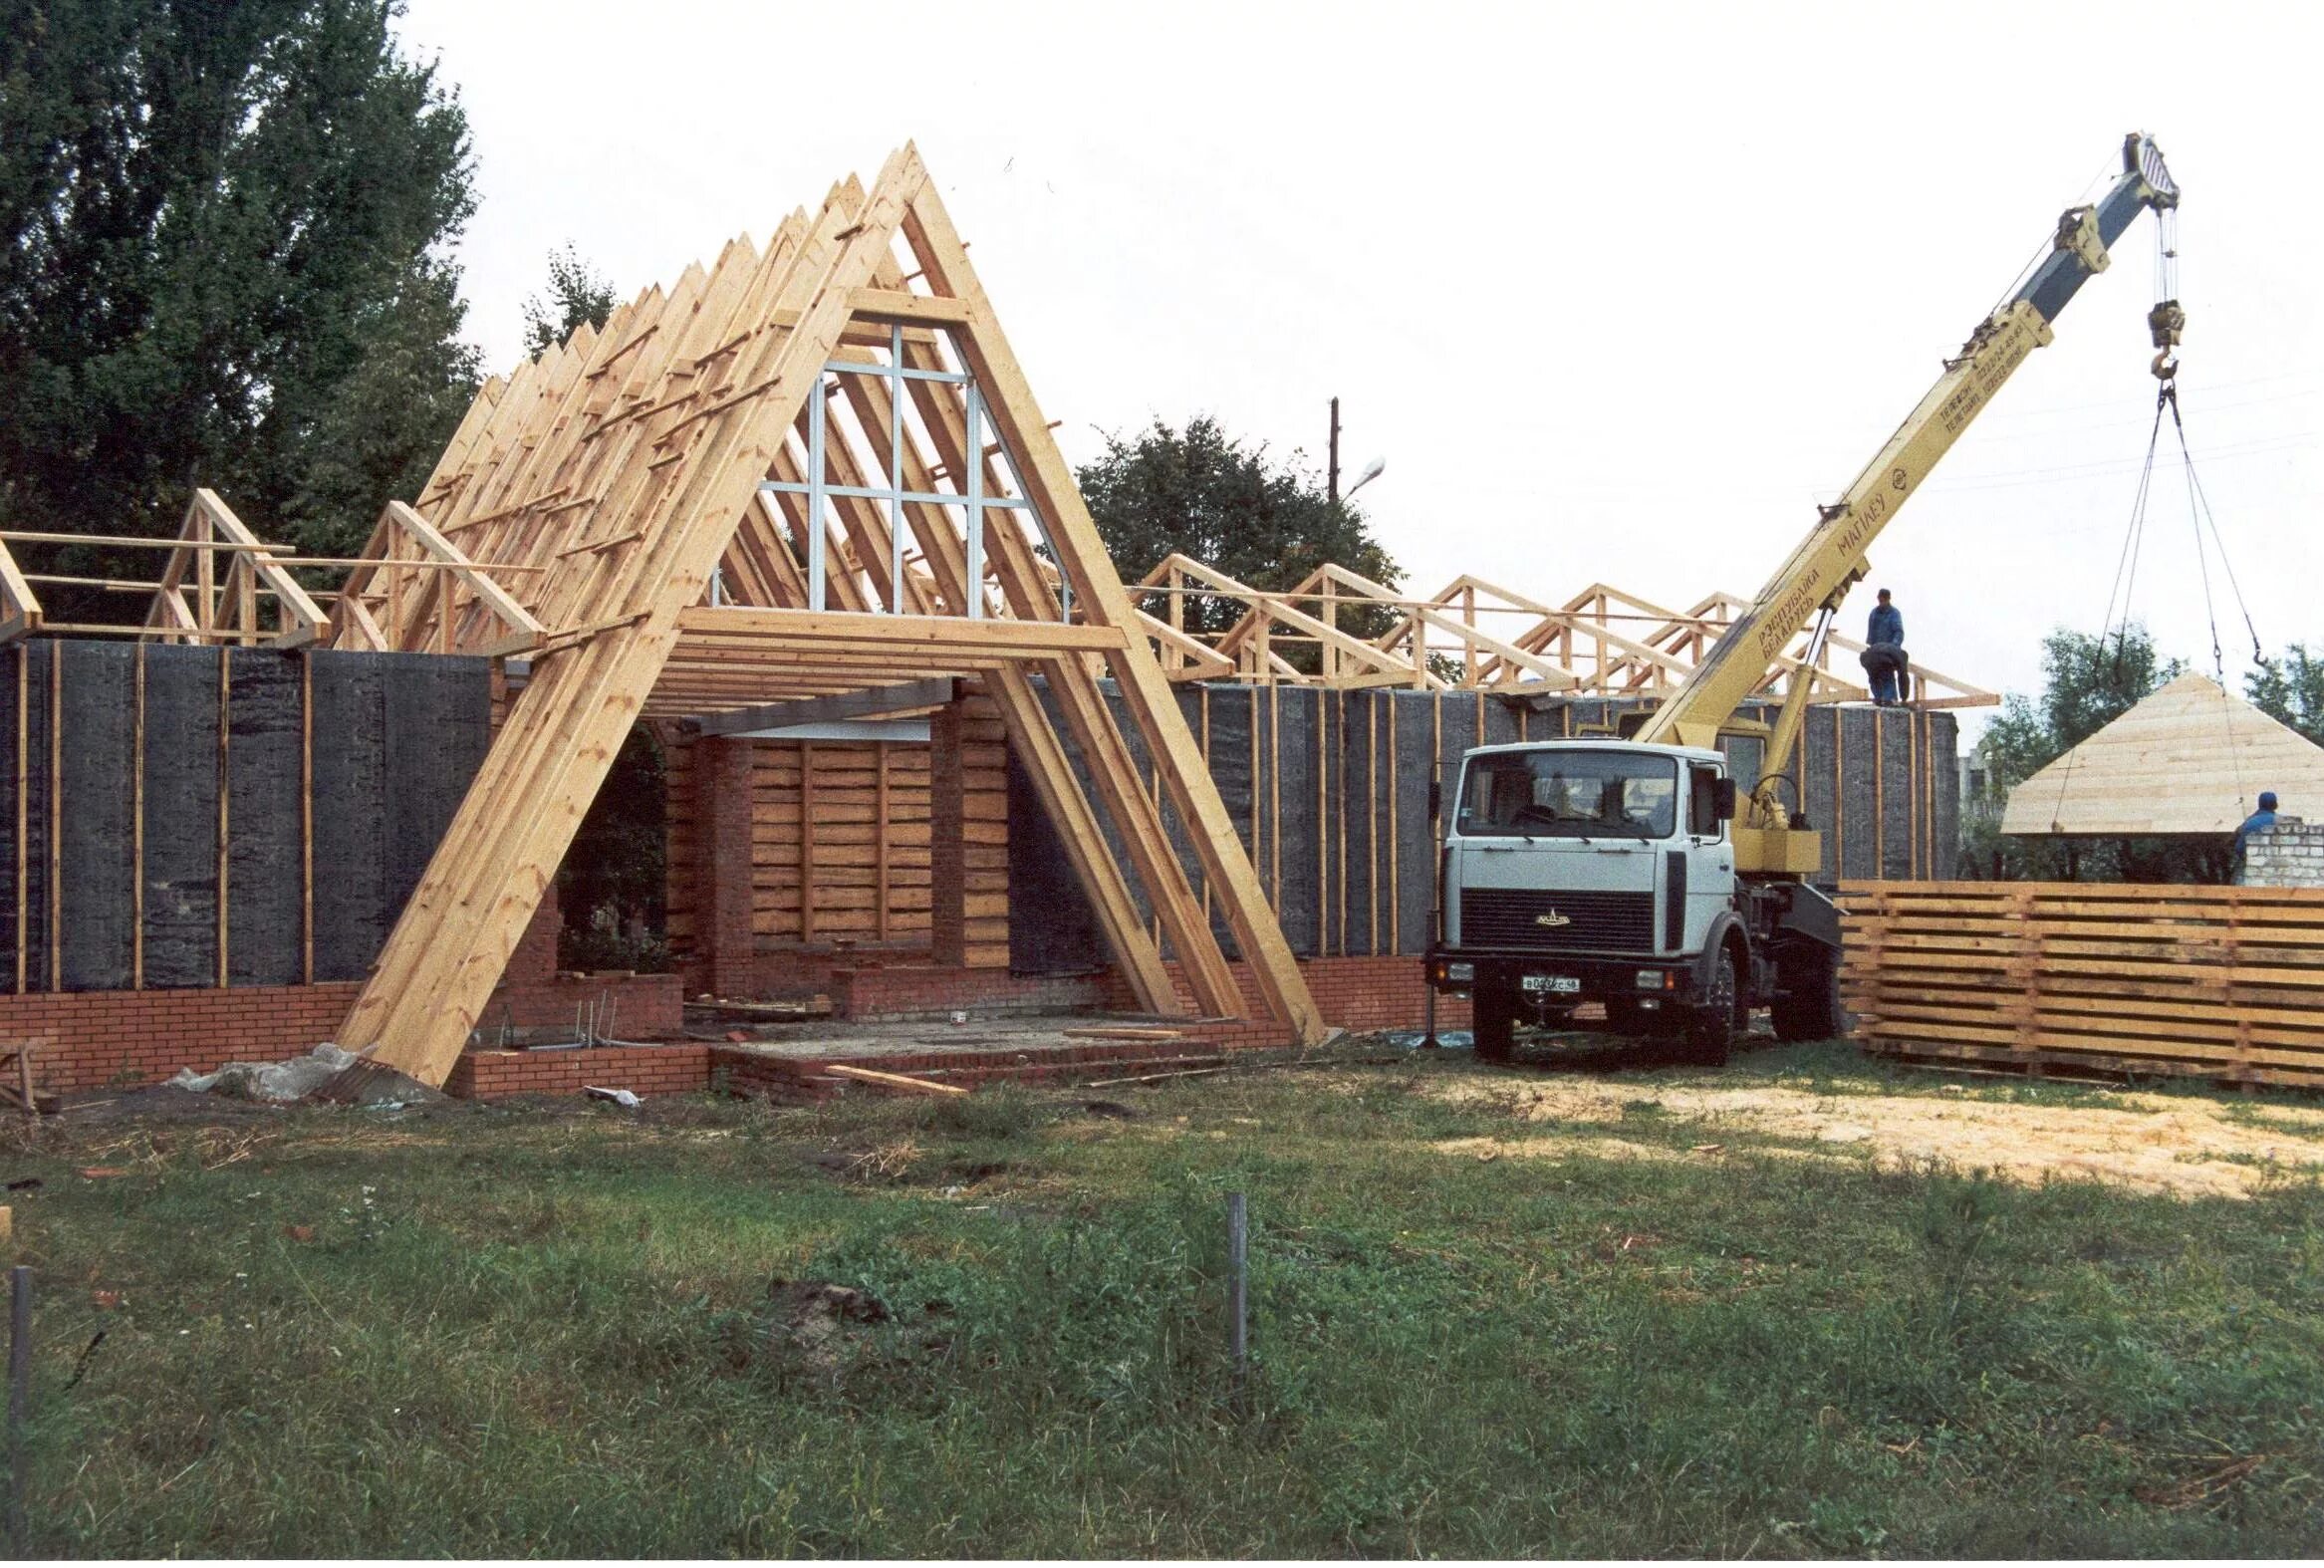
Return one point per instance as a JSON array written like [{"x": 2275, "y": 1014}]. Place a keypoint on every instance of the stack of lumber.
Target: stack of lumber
[{"x": 2224, "y": 983}]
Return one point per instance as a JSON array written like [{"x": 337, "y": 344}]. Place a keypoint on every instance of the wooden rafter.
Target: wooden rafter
[{"x": 721, "y": 426}]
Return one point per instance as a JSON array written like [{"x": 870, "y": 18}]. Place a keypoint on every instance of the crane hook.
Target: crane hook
[{"x": 2165, "y": 366}]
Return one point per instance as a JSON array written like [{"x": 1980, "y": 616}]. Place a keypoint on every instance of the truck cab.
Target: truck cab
[{"x": 1604, "y": 871}]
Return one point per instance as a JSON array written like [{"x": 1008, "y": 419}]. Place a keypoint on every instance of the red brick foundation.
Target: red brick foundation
[
  {"x": 128, "y": 1038},
  {"x": 641, "y": 1069}
]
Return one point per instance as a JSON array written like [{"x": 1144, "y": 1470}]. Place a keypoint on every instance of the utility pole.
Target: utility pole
[{"x": 1332, "y": 473}]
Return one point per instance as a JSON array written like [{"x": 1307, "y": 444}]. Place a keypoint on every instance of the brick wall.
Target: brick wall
[
  {"x": 99, "y": 1038},
  {"x": 2288, "y": 855},
  {"x": 969, "y": 836},
  {"x": 641, "y": 1069},
  {"x": 124, "y": 1038},
  {"x": 934, "y": 991}
]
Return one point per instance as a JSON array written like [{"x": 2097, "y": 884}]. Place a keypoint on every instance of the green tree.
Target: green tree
[
  {"x": 224, "y": 234},
  {"x": 2291, "y": 690},
  {"x": 2087, "y": 683},
  {"x": 577, "y": 294},
  {"x": 1201, "y": 493}
]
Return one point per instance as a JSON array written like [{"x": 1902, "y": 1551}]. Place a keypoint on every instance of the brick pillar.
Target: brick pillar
[
  {"x": 723, "y": 875},
  {"x": 968, "y": 835},
  {"x": 535, "y": 960}
]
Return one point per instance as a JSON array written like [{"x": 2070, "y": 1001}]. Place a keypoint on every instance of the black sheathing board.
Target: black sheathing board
[
  {"x": 11, "y": 668},
  {"x": 1227, "y": 709},
  {"x": 1052, "y": 929},
  {"x": 38, "y": 825},
  {"x": 1360, "y": 817},
  {"x": 1859, "y": 757},
  {"x": 1415, "y": 847},
  {"x": 181, "y": 815},
  {"x": 97, "y": 920},
  {"x": 265, "y": 871},
  {"x": 1945, "y": 774},
  {"x": 351, "y": 817},
  {"x": 1895, "y": 729},
  {"x": 1293, "y": 804},
  {"x": 426, "y": 779}
]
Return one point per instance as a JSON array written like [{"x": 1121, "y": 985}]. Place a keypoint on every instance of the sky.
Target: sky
[{"x": 1619, "y": 292}]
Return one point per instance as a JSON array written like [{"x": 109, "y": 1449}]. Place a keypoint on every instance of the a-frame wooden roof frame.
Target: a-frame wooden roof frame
[{"x": 643, "y": 496}]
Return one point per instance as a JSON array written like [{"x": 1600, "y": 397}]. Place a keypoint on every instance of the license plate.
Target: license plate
[{"x": 1555, "y": 984}]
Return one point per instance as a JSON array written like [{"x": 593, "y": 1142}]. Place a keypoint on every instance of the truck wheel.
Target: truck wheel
[
  {"x": 1494, "y": 1021},
  {"x": 1710, "y": 1027},
  {"x": 1808, "y": 1006}
]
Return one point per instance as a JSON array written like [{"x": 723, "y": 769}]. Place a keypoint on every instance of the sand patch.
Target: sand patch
[{"x": 2149, "y": 1143}]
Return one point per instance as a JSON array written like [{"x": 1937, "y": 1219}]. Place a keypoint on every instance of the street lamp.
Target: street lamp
[{"x": 1370, "y": 472}]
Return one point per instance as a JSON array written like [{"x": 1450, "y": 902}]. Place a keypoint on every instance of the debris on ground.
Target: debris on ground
[
  {"x": 810, "y": 1317},
  {"x": 619, "y": 1097},
  {"x": 280, "y": 1083},
  {"x": 276, "y": 1081}
]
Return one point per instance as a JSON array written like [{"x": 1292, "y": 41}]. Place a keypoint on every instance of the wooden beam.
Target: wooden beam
[{"x": 902, "y": 698}]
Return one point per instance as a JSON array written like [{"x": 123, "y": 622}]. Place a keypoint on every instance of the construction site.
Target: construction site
[
  {"x": 772, "y": 965},
  {"x": 932, "y": 756}
]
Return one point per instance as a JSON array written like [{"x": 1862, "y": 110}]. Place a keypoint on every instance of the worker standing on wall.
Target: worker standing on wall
[
  {"x": 1883, "y": 658},
  {"x": 2264, "y": 817}
]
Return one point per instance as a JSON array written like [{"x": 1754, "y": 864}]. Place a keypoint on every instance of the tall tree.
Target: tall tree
[
  {"x": 578, "y": 295},
  {"x": 224, "y": 260},
  {"x": 2291, "y": 690},
  {"x": 1202, "y": 493}
]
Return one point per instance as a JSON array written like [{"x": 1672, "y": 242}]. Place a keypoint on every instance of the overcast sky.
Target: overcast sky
[{"x": 1620, "y": 292}]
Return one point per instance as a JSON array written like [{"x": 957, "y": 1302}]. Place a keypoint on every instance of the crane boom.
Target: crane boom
[{"x": 1820, "y": 571}]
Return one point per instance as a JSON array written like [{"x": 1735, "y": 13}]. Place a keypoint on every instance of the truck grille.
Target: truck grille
[{"x": 1595, "y": 922}]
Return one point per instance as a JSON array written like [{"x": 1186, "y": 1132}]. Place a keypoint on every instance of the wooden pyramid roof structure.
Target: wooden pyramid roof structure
[
  {"x": 2191, "y": 758},
  {"x": 803, "y": 470}
]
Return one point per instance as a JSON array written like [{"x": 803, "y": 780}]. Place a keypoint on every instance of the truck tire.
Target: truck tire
[
  {"x": 1494, "y": 1021},
  {"x": 1711, "y": 1025},
  {"x": 1808, "y": 1006}
]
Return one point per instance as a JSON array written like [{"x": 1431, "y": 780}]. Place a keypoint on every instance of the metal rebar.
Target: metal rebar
[
  {"x": 1238, "y": 1339},
  {"x": 19, "y": 1395}
]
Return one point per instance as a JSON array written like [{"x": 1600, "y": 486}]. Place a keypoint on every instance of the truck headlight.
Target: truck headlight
[
  {"x": 1650, "y": 979},
  {"x": 1460, "y": 974}
]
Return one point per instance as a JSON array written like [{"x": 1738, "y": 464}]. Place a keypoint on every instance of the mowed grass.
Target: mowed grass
[{"x": 493, "y": 1331}]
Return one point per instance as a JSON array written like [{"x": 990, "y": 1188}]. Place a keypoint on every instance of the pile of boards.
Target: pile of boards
[{"x": 2225, "y": 983}]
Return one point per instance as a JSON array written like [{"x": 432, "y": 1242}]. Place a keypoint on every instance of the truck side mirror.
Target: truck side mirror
[{"x": 1722, "y": 800}]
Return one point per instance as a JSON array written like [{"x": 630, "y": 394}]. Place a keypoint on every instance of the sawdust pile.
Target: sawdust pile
[{"x": 2149, "y": 1143}]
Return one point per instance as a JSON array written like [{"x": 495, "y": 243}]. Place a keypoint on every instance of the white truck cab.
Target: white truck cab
[{"x": 1604, "y": 871}]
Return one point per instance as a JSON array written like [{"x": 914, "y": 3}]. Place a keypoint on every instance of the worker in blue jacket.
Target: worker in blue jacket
[
  {"x": 2264, "y": 817},
  {"x": 1885, "y": 629}
]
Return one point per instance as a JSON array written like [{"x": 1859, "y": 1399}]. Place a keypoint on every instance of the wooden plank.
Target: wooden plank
[
  {"x": 899, "y": 1081},
  {"x": 904, "y": 697}
]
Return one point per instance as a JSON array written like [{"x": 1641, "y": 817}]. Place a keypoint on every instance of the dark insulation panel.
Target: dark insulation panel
[{"x": 134, "y": 826}]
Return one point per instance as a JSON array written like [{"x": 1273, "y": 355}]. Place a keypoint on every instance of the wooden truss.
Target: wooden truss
[
  {"x": 801, "y": 472},
  {"x": 1473, "y": 636}
]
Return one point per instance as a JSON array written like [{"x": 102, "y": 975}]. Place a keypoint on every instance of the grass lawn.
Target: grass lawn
[{"x": 551, "y": 1331}]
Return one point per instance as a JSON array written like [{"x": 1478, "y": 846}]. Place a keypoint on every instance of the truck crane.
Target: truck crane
[{"x": 1623, "y": 870}]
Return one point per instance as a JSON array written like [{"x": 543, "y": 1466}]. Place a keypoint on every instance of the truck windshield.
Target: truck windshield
[{"x": 1570, "y": 794}]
